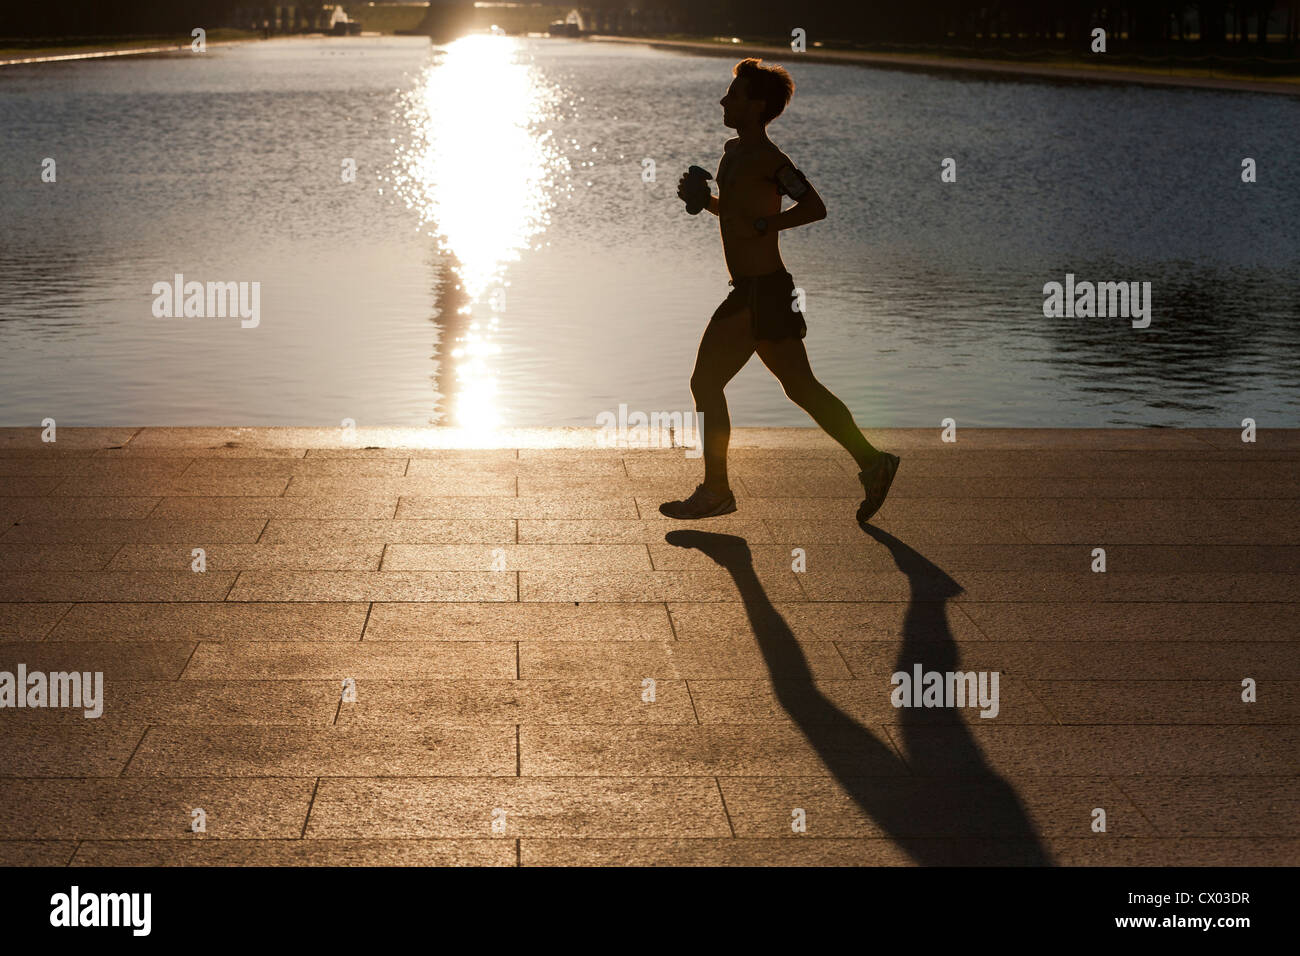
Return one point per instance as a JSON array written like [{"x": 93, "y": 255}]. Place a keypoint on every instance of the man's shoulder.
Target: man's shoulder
[{"x": 775, "y": 157}]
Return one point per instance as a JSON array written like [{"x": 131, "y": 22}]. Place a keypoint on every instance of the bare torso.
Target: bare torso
[{"x": 747, "y": 191}]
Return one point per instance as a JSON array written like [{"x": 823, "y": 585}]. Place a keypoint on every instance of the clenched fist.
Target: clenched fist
[{"x": 693, "y": 189}]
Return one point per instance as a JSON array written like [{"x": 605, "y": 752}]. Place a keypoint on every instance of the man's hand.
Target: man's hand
[{"x": 694, "y": 190}]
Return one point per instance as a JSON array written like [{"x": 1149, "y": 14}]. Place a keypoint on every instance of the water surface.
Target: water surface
[{"x": 499, "y": 257}]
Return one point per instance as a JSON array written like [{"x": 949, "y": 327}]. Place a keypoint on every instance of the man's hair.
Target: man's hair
[{"x": 771, "y": 84}]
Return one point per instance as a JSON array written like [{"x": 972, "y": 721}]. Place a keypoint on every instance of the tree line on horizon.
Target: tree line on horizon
[{"x": 1207, "y": 23}]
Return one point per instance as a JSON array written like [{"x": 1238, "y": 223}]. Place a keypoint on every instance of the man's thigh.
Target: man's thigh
[
  {"x": 787, "y": 359},
  {"x": 726, "y": 345}
]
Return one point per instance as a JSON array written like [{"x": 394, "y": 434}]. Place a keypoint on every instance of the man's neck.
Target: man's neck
[{"x": 752, "y": 135}]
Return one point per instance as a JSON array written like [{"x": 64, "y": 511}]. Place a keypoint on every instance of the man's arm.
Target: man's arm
[
  {"x": 808, "y": 206},
  {"x": 682, "y": 194}
]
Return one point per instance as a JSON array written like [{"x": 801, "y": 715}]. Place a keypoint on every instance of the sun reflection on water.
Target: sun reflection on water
[{"x": 481, "y": 173}]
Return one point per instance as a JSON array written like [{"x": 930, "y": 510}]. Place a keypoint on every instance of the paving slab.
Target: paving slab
[
  {"x": 1196, "y": 620},
  {"x": 469, "y": 621},
  {"x": 413, "y": 453},
  {"x": 110, "y": 531},
  {"x": 1122, "y": 559},
  {"x": 294, "y": 467},
  {"x": 36, "y": 852},
  {"x": 445, "y": 465},
  {"x": 203, "y": 703},
  {"x": 1151, "y": 463},
  {"x": 930, "y": 808},
  {"x": 290, "y": 621},
  {"x": 522, "y": 806},
  {"x": 1170, "y": 701},
  {"x": 830, "y": 701},
  {"x": 301, "y": 506},
  {"x": 241, "y": 557},
  {"x": 220, "y": 451},
  {"x": 79, "y": 439},
  {"x": 1115, "y": 751},
  {"x": 533, "y": 506},
  {"x": 1078, "y": 585},
  {"x": 53, "y": 557},
  {"x": 467, "y": 484},
  {"x": 648, "y": 586},
  {"x": 716, "y": 750},
  {"x": 78, "y": 509},
  {"x": 466, "y": 702},
  {"x": 650, "y": 530},
  {"x": 691, "y": 472},
  {"x": 1206, "y": 807},
  {"x": 926, "y": 533},
  {"x": 99, "y": 486},
  {"x": 1084, "y": 851},
  {"x": 127, "y": 809},
  {"x": 388, "y": 531},
  {"x": 289, "y": 853},
  {"x": 816, "y": 621},
  {"x": 286, "y": 660},
  {"x": 318, "y": 752},
  {"x": 1194, "y": 485},
  {"x": 1063, "y": 661},
  {"x": 633, "y": 690},
  {"x": 156, "y": 660},
  {"x": 84, "y": 748},
  {"x": 1212, "y": 530},
  {"x": 515, "y": 557},
  {"x": 29, "y": 622},
  {"x": 374, "y": 586},
  {"x": 115, "y": 585},
  {"x": 556, "y": 660},
  {"x": 15, "y": 486}
]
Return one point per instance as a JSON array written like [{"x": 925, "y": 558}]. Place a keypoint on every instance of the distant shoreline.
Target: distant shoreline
[
  {"x": 47, "y": 55},
  {"x": 1185, "y": 77}
]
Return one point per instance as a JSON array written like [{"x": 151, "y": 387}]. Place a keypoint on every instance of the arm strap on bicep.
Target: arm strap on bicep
[{"x": 790, "y": 182}]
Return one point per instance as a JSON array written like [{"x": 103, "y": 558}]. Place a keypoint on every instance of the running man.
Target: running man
[{"x": 760, "y": 314}]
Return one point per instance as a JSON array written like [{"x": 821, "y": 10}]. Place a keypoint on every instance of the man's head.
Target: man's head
[{"x": 758, "y": 94}]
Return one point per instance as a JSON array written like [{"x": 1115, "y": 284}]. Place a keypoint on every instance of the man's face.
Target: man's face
[{"x": 737, "y": 108}]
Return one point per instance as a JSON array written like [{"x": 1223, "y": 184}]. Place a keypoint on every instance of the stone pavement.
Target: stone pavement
[{"x": 519, "y": 696}]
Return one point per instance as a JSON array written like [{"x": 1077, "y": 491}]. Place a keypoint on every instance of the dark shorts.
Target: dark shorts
[{"x": 773, "y": 312}]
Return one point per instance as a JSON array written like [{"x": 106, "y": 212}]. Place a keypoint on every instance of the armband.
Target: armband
[{"x": 790, "y": 182}]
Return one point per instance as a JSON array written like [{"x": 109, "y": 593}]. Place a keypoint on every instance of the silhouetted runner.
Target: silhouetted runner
[{"x": 760, "y": 314}]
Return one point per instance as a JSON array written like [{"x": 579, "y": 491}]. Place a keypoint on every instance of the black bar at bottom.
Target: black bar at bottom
[{"x": 644, "y": 906}]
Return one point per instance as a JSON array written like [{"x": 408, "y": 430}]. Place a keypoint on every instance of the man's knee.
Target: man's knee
[{"x": 705, "y": 386}]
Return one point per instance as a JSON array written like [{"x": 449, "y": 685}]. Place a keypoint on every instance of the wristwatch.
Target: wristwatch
[{"x": 760, "y": 226}]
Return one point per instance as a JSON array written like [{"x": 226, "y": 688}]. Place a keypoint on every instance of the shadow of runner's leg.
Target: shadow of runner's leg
[
  {"x": 938, "y": 737},
  {"x": 945, "y": 821}
]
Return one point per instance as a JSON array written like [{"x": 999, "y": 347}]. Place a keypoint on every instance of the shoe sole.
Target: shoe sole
[{"x": 718, "y": 512}]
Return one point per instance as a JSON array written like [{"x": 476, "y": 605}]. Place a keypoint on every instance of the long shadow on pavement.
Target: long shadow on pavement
[{"x": 970, "y": 816}]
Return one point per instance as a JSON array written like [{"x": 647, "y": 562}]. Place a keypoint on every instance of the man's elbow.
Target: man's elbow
[{"x": 816, "y": 206}]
